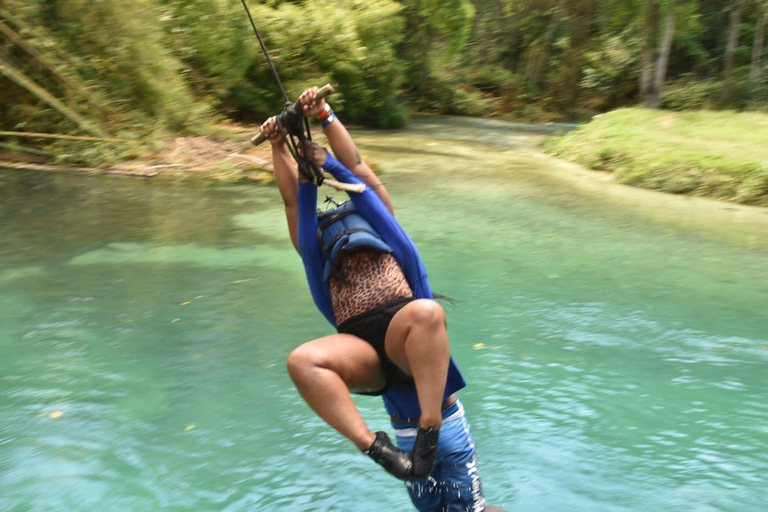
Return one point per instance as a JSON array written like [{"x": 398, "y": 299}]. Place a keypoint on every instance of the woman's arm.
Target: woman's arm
[
  {"x": 344, "y": 147},
  {"x": 300, "y": 199},
  {"x": 286, "y": 176},
  {"x": 311, "y": 253}
]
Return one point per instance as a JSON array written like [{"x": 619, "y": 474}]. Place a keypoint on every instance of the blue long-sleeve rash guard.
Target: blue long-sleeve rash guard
[{"x": 399, "y": 400}]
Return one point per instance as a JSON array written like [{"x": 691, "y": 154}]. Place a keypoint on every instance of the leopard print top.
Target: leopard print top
[{"x": 366, "y": 279}]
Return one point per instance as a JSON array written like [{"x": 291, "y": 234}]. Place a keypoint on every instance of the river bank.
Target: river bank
[
  {"x": 223, "y": 154},
  {"x": 721, "y": 155},
  {"x": 718, "y": 155}
]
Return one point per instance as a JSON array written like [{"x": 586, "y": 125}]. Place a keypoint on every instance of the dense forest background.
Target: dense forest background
[{"x": 103, "y": 67}]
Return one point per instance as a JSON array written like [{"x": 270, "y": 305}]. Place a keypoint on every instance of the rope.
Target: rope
[
  {"x": 306, "y": 166},
  {"x": 266, "y": 53}
]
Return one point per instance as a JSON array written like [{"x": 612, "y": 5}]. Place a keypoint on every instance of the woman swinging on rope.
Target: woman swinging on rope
[{"x": 367, "y": 278}]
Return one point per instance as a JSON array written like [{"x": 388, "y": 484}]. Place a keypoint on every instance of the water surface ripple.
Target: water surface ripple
[{"x": 614, "y": 339}]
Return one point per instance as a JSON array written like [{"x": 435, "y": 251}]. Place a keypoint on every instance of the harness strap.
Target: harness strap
[
  {"x": 333, "y": 217},
  {"x": 329, "y": 219},
  {"x": 327, "y": 248}
]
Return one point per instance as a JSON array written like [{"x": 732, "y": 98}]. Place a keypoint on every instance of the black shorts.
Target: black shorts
[{"x": 372, "y": 327}]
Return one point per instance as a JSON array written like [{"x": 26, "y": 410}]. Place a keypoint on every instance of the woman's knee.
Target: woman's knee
[
  {"x": 427, "y": 312},
  {"x": 303, "y": 360}
]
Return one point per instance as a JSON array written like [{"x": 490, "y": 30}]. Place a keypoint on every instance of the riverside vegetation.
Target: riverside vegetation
[
  {"x": 723, "y": 155},
  {"x": 151, "y": 76}
]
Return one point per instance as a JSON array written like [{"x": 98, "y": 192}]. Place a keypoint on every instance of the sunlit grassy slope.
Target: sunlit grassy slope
[{"x": 716, "y": 154}]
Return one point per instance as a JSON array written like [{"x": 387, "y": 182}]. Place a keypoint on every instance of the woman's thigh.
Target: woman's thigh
[
  {"x": 426, "y": 313},
  {"x": 350, "y": 357}
]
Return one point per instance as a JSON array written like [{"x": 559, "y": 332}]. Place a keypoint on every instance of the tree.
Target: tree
[
  {"x": 649, "y": 43},
  {"x": 758, "y": 48},
  {"x": 537, "y": 56},
  {"x": 726, "y": 92},
  {"x": 516, "y": 27},
  {"x": 665, "y": 48},
  {"x": 435, "y": 31},
  {"x": 581, "y": 14}
]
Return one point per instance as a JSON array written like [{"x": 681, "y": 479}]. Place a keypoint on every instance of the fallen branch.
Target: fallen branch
[
  {"x": 249, "y": 158},
  {"x": 60, "y": 168},
  {"x": 164, "y": 166},
  {"x": 58, "y": 136},
  {"x": 24, "y": 149}
]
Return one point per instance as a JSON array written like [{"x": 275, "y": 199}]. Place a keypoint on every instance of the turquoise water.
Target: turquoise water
[{"x": 615, "y": 340}]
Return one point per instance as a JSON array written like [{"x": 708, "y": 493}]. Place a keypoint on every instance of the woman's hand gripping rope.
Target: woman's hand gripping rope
[
  {"x": 311, "y": 104},
  {"x": 271, "y": 132},
  {"x": 319, "y": 155},
  {"x": 316, "y": 153},
  {"x": 292, "y": 115}
]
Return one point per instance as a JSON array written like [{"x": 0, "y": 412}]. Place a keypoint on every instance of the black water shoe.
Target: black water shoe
[
  {"x": 424, "y": 452},
  {"x": 395, "y": 461}
]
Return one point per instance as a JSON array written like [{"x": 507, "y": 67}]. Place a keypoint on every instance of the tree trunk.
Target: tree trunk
[
  {"x": 582, "y": 12},
  {"x": 651, "y": 25},
  {"x": 538, "y": 55},
  {"x": 416, "y": 48},
  {"x": 513, "y": 40},
  {"x": 756, "y": 71},
  {"x": 654, "y": 98},
  {"x": 477, "y": 37},
  {"x": 726, "y": 92}
]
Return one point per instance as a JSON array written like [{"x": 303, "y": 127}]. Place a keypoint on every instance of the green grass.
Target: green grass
[{"x": 723, "y": 155}]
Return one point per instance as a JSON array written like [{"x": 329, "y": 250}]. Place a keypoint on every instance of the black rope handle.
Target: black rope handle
[{"x": 293, "y": 110}]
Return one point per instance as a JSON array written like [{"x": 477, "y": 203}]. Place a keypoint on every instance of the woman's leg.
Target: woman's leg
[
  {"x": 325, "y": 370},
  {"x": 417, "y": 342},
  {"x": 454, "y": 484}
]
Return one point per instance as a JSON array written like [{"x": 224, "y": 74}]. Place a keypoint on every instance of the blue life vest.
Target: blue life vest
[{"x": 341, "y": 230}]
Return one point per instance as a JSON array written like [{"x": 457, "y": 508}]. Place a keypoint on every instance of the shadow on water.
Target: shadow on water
[{"x": 614, "y": 339}]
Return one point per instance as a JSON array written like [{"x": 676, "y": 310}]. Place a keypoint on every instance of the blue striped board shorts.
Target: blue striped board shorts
[{"x": 454, "y": 485}]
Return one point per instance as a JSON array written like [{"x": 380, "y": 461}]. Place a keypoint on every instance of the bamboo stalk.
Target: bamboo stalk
[
  {"x": 42, "y": 59},
  {"x": 59, "y": 136},
  {"x": 22, "y": 25},
  {"x": 16, "y": 21},
  {"x": 28, "y": 84},
  {"x": 58, "y": 168},
  {"x": 24, "y": 149}
]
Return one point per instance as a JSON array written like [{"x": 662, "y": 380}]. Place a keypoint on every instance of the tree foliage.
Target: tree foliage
[{"x": 173, "y": 65}]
